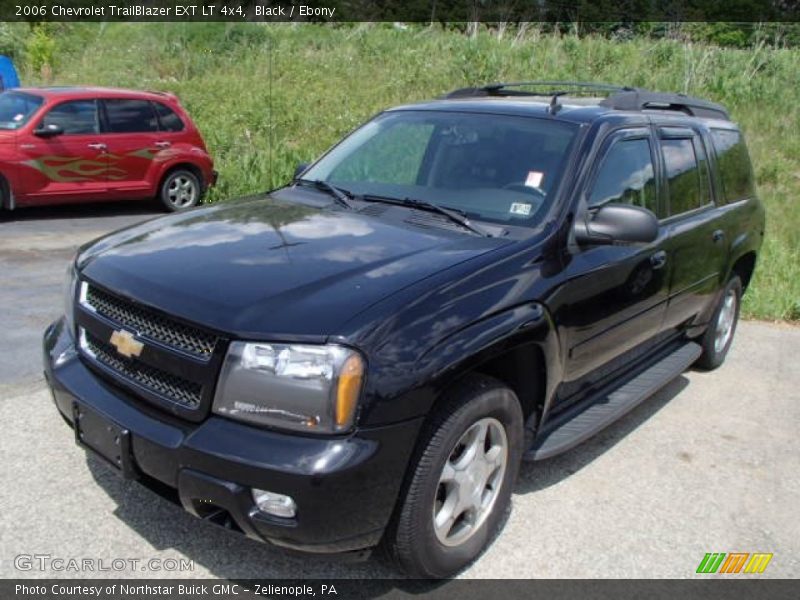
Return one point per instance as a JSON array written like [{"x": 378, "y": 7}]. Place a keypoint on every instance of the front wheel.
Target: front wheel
[
  {"x": 5, "y": 195},
  {"x": 460, "y": 487},
  {"x": 180, "y": 190},
  {"x": 717, "y": 339}
]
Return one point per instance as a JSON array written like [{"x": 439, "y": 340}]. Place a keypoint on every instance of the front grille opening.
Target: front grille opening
[
  {"x": 150, "y": 324},
  {"x": 171, "y": 387},
  {"x": 216, "y": 514}
]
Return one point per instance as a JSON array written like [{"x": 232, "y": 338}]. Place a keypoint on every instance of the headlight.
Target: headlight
[
  {"x": 70, "y": 285},
  {"x": 291, "y": 386}
]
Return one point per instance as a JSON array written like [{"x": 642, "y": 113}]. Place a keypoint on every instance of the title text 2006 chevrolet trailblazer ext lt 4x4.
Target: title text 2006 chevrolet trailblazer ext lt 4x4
[{"x": 365, "y": 356}]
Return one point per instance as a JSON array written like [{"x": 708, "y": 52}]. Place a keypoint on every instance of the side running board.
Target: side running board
[{"x": 568, "y": 430}]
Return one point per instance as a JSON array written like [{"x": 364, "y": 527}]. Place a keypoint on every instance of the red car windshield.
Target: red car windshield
[{"x": 16, "y": 109}]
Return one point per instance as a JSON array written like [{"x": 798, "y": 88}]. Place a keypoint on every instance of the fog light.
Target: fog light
[{"x": 275, "y": 504}]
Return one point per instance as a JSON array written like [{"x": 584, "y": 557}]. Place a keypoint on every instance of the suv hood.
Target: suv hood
[{"x": 267, "y": 268}]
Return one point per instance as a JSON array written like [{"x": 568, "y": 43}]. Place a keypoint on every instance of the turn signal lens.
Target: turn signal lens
[{"x": 350, "y": 379}]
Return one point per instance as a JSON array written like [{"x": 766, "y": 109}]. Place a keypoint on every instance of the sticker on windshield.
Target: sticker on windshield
[
  {"x": 520, "y": 208},
  {"x": 534, "y": 179}
]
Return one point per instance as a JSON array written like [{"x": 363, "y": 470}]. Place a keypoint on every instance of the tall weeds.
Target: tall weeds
[{"x": 327, "y": 79}]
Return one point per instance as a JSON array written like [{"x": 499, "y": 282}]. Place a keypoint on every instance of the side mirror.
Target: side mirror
[
  {"x": 299, "y": 169},
  {"x": 49, "y": 130},
  {"x": 613, "y": 223}
]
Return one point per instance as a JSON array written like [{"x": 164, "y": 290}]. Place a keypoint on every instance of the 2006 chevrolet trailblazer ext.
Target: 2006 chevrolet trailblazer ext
[{"x": 364, "y": 356}]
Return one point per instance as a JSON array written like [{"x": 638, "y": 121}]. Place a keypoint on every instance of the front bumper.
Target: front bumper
[{"x": 345, "y": 487}]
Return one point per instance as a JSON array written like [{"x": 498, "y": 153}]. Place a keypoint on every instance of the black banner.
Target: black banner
[
  {"x": 507, "y": 11},
  {"x": 714, "y": 588}
]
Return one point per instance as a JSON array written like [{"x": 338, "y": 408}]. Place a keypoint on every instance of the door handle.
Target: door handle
[
  {"x": 718, "y": 236},
  {"x": 163, "y": 144},
  {"x": 658, "y": 260},
  {"x": 97, "y": 146}
]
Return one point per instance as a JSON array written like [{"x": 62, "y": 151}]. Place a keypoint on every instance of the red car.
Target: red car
[{"x": 77, "y": 144}]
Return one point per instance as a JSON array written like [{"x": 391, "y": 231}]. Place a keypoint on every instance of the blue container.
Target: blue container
[{"x": 8, "y": 74}]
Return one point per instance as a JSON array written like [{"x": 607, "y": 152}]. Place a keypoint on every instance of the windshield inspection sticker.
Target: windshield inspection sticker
[
  {"x": 534, "y": 179},
  {"x": 520, "y": 208}
]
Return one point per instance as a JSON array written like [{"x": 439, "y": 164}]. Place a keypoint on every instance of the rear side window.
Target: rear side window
[
  {"x": 130, "y": 116},
  {"x": 75, "y": 117},
  {"x": 626, "y": 176},
  {"x": 169, "y": 120},
  {"x": 687, "y": 175},
  {"x": 735, "y": 170}
]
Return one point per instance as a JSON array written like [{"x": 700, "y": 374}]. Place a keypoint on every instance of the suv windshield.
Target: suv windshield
[
  {"x": 490, "y": 167},
  {"x": 17, "y": 108}
]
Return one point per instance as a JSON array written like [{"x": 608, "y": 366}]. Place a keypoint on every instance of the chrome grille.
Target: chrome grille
[
  {"x": 176, "y": 389},
  {"x": 150, "y": 324}
]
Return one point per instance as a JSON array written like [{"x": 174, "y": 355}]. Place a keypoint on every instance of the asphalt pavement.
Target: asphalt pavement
[{"x": 709, "y": 464}]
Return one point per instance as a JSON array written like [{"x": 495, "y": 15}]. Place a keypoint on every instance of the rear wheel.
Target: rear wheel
[
  {"x": 717, "y": 339},
  {"x": 180, "y": 190},
  {"x": 460, "y": 488}
]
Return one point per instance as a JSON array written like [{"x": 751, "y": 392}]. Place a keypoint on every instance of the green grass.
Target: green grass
[{"x": 327, "y": 79}]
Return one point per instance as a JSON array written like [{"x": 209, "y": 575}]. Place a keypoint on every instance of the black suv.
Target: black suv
[{"x": 365, "y": 356}]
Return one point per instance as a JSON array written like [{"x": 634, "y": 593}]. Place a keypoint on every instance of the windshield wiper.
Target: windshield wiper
[
  {"x": 454, "y": 215},
  {"x": 341, "y": 195}
]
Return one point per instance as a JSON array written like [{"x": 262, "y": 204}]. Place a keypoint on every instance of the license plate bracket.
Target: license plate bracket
[{"x": 104, "y": 438}]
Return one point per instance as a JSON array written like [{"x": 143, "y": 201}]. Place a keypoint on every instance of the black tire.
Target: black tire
[
  {"x": 5, "y": 193},
  {"x": 412, "y": 540},
  {"x": 715, "y": 349},
  {"x": 180, "y": 190}
]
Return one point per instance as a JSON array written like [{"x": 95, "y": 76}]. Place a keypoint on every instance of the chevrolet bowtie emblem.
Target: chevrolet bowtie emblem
[{"x": 126, "y": 344}]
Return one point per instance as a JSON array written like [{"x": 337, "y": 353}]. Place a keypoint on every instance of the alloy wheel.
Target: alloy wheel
[
  {"x": 182, "y": 191},
  {"x": 470, "y": 481},
  {"x": 725, "y": 322}
]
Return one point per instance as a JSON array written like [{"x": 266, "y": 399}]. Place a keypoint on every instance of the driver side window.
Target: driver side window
[
  {"x": 75, "y": 117},
  {"x": 626, "y": 176}
]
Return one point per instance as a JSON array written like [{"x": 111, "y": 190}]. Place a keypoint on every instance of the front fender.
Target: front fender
[{"x": 410, "y": 390}]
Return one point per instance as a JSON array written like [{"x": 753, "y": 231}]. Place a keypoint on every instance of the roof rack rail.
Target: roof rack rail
[
  {"x": 504, "y": 89},
  {"x": 616, "y": 96}
]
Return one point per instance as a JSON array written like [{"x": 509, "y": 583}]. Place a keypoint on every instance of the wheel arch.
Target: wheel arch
[
  {"x": 744, "y": 266},
  {"x": 170, "y": 169},
  {"x": 520, "y": 367}
]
